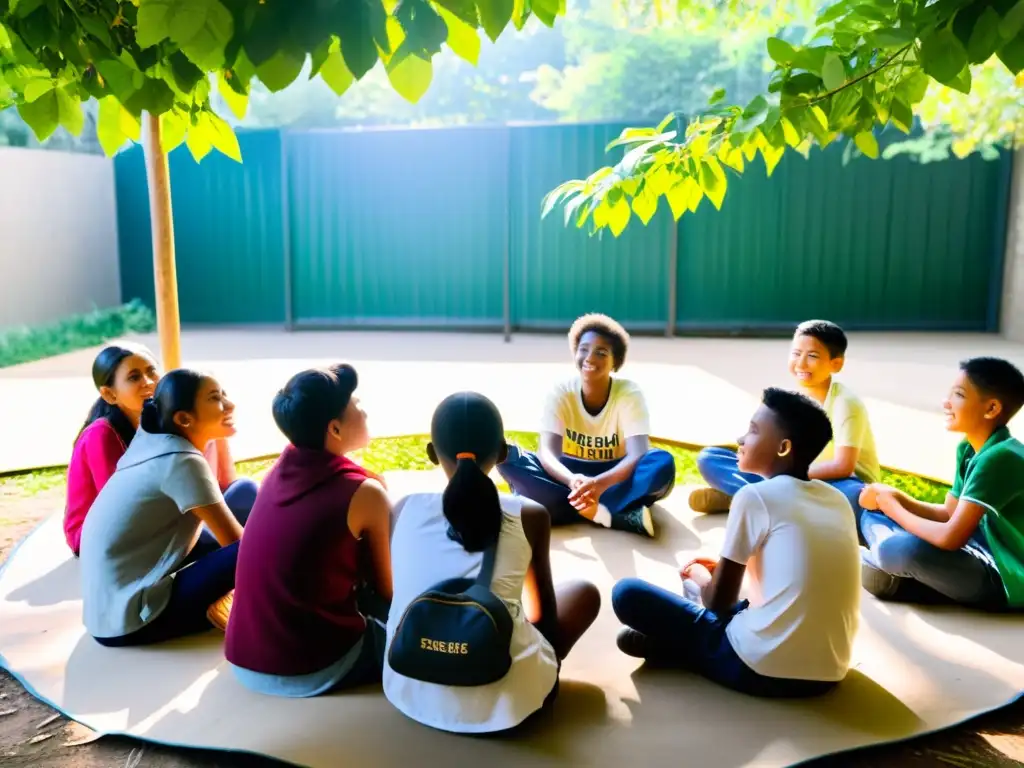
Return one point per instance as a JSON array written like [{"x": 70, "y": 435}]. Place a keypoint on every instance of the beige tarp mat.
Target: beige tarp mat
[{"x": 916, "y": 670}]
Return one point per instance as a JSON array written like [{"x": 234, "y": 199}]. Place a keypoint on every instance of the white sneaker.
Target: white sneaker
[{"x": 648, "y": 521}]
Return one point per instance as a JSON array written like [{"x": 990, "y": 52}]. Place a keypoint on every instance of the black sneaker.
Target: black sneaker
[
  {"x": 637, "y": 520},
  {"x": 877, "y": 582},
  {"x": 633, "y": 643}
]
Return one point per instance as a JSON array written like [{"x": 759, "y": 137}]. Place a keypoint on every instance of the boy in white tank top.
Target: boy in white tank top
[
  {"x": 443, "y": 536},
  {"x": 798, "y": 540}
]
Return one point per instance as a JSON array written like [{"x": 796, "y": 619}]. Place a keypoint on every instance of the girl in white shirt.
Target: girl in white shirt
[{"x": 440, "y": 536}]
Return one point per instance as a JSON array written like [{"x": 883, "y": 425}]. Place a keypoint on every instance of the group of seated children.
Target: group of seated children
[{"x": 447, "y": 598}]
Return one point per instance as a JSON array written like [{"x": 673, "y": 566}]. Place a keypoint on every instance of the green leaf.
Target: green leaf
[
  {"x": 203, "y": 29},
  {"x": 678, "y": 196},
  {"x": 120, "y": 79},
  {"x": 717, "y": 96},
  {"x": 320, "y": 54},
  {"x": 411, "y": 77},
  {"x": 33, "y": 89},
  {"x": 155, "y": 97},
  {"x": 547, "y": 10},
  {"x": 833, "y": 73},
  {"x": 1012, "y": 54},
  {"x": 618, "y": 216},
  {"x": 495, "y": 16},
  {"x": 69, "y": 107},
  {"x": 42, "y": 115},
  {"x": 892, "y": 38},
  {"x": 645, "y": 205},
  {"x": 833, "y": 12},
  {"x": 1013, "y": 21},
  {"x": 843, "y": 103},
  {"x": 464, "y": 9},
  {"x": 962, "y": 82},
  {"x": 772, "y": 156},
  {"x": 867, "y": 143},
  {"x": 985, "y": 37},
  {"x": 358, "y": 34},
  {"x": 238, "y": 103},
  {"x": 914, "y": 88},
  {"x": 781, "y": 51},
  {"x": 198, "y": 142},
  {"x": 153, "y": 21},
  {"x": 280, "y": 71},
  {"x": 902, "y": 116},
  {"x": 186, "y": 74},
  {"x": 713, "y": 181},
  {"x": 812, "y": 59},
  {"x": 173, "y": 127},
  {"x": 335, "y": 73},
  {"x": 792, "y": 130},
  {"x": 757, "y": 107},
  {"x": 943, "y": 57},
  {"x": 462, "y": 38},
  {"x": 108, "y": 126},
  {"x": 221, "y": 136}
]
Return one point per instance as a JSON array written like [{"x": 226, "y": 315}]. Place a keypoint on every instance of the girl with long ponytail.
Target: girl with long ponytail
[{"x": 440, "y": 536}]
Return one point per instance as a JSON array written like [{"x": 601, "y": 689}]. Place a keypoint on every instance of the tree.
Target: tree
[
  {"x": 161, "y": 59},
  {"x": 989, "y": 117},
  {"x": 868, "y": 63}
]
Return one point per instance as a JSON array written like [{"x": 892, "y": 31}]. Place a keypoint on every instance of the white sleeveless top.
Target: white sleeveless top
[{"x": 422, "y": 555}]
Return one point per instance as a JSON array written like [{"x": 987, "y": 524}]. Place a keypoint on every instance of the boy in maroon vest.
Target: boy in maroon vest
[{"x": 315, "y": 556}]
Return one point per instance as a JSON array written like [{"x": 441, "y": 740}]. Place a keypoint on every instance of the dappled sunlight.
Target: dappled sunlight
[{"x": 183, "y": 703}]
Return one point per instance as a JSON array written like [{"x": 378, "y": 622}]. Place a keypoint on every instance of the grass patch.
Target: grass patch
[
  {"x": 25, "y": 344},
  {"x": 410, "y": 453}
]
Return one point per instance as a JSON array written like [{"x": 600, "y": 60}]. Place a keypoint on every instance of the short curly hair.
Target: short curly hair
[{"x": 604, "y": 326}]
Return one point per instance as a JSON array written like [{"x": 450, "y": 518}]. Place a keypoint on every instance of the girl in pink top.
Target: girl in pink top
[{"x": 126, "y": 376}]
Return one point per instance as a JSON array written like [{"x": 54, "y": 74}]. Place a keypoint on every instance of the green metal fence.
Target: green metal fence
[{"x": 442, "y": 228}]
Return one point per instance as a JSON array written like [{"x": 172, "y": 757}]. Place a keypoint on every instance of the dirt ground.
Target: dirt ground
[{"x": 32, "y": 734}]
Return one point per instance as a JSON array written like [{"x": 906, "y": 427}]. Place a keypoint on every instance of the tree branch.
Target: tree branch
[{"x": 859, "y": 78}]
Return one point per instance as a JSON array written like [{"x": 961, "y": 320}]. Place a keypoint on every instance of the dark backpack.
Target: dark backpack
[{"x": 458, "y": 632}]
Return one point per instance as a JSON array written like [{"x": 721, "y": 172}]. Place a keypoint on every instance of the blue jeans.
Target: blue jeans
[
  {"x": 204, "y": 576},
  {"x": 683, "y": 634},
  {"x": 652, "y": 480},
  {"x": 720, "y": 470},
  {"x": 967, "y": 576}
]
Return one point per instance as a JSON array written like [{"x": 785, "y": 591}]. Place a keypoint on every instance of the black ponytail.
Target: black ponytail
[
  {"x": 176, "y": 392},
  {"x": 472, "y": 507},
  {"x": 467, "y": 429},
  {"x": 104, "y": 370},
  {"x": 101, "y": 409}
]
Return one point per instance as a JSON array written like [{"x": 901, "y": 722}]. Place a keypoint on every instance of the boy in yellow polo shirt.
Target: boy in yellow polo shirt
[
  {"x": 849, "y": 461},
  {"x": 969, "y": 550}
]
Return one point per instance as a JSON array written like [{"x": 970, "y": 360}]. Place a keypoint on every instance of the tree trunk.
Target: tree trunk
[{"x": 164, "y": 276}]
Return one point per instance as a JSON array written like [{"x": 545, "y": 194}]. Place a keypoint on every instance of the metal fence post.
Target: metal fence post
[{"x": 286, "y": 234}]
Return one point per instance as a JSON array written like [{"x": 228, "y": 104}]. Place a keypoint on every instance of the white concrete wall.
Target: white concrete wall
[
  {"x": 1012, "y": 314},
  {"x": 58, "y": 235}
]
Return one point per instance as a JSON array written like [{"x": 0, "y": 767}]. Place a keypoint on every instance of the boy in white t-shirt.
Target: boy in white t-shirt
[
  {"x": 595, "y": 460},
  {"x": 798, "y": 539},
  {"x": 848, "y": 462}
]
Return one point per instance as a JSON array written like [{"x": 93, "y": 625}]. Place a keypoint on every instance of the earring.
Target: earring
[{"x": 783, "y": 454}]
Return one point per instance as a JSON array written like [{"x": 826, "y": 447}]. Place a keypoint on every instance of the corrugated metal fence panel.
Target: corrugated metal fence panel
[
  {"x": 135, "y": 238},
  {"x": 398, "y": 227},
  {"x": 227, "y": 230},
  {"x": 874, "y": 245},
  {"x": 559, "y": 273}
]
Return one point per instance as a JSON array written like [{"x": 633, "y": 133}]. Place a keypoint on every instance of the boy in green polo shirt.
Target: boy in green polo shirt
[{"x": 971, "y": 549}]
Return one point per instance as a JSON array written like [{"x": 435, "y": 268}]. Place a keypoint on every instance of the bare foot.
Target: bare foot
[{"x": 218, "y": 613}]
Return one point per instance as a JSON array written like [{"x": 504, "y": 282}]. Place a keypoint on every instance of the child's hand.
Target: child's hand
[
  {"x": 699, "y": 570},
  {"x": 869, "y": 495}
]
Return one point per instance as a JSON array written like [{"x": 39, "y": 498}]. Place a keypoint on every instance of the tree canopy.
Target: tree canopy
[
  {"x": 866, "y": 64},
  {"x": 165, "y": 57}
]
